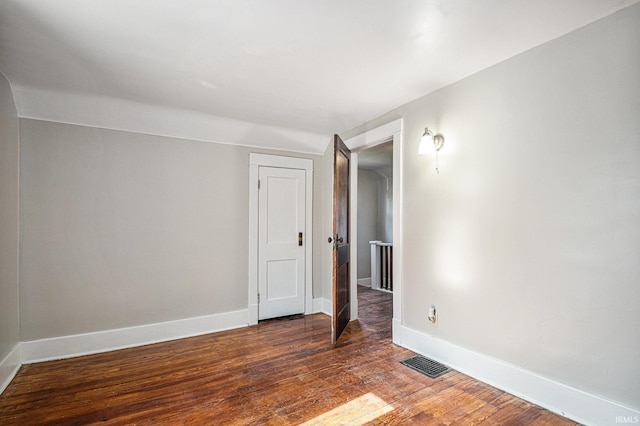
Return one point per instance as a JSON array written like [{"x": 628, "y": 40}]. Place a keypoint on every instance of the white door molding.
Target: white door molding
[
  {"x": 388, "y": 132},
  {"x": 255, "y": 161}
]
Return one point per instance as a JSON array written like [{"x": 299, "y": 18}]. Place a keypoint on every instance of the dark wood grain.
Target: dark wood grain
[
  {"x": 280, "y": 372},
  {"x": 341, "y": 263}
]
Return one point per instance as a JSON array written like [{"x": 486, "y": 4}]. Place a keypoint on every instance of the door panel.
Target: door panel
[
  {"x": 341, "y": 265},
  {"x": 281, "y": 279},
  {"x": 281, "y": 259}
]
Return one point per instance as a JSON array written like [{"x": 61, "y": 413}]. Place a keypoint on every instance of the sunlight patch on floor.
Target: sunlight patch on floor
[{"x": 356, "y": 412}]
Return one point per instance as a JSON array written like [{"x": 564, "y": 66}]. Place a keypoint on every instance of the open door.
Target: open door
[{"x": 341, "y": 281}]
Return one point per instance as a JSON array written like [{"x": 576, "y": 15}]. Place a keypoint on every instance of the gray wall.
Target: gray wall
[
  {"x": 528, "y": 241},
  {"x": 375, "y": 213},
  {"x": 122, "y": 229},
  {"x": 384, "y": 220},
  {"x": 9, "y": 228},
  {"x": 367, "y": 219}
]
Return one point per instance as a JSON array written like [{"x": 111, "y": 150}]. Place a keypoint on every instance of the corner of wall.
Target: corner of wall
[
  {"x": 9, "y": 366},
  {"x": 9, "y": 234}
]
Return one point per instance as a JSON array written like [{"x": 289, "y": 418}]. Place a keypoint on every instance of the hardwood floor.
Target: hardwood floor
[{"x": 279, "y": 372}]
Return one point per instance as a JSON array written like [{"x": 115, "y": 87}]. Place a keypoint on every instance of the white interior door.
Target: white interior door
[{"x": 281, "y": 242}]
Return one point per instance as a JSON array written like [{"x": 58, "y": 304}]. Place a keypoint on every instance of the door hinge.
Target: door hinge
[
  {"x": 258, "y": 183},
  {"x": 258, "y": 298}
]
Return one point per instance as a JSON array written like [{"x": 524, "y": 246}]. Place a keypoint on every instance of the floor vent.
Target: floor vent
[{"x": 425, "y": 366}]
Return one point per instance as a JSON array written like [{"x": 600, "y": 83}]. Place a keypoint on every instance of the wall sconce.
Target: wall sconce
[{"x": 430, "y": 144}]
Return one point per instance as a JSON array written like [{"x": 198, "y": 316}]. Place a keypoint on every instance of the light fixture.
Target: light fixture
[{"x": 430, "y": 144}]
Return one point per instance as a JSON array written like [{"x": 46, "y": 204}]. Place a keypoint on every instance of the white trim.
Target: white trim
[
  {"x": 388, "y": 132},
  {"x": 308, "y": 298},
  {"x": 9, "y": 366},
  {"x": 374, "y": 136},
  {"x": 398, "y": 215},
  {"x": 396, "y": 331},
  {"x": 110, "y": 340},
  {"x": 353, "y": 237},
  {"x": 253, "y": 242},
  {"x": 365, "y": 282},
  {"x": 306, "y": 164},
  {"x": 252, "y": 313},
  {"x": 322, "y": 305},
  {"x": 280, "y": 161},
  {"x": 565, "y": 400}
]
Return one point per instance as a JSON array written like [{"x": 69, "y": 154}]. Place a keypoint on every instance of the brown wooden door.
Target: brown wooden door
[{"x": 341, "y": 281}]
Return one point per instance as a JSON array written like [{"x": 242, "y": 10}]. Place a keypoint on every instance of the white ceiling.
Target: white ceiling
[{"x": 283, "y": 74}]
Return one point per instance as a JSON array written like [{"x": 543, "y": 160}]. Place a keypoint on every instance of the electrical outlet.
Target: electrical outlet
[{"x": 433, "y": 315}]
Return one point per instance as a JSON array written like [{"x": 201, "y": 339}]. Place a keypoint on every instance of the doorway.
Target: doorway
[
  {"x": 375, "y": 217},
  {"x": 280, "y": 188},
  {"x": 375, "y": 233},
  {"x": 390, "y": 132}
]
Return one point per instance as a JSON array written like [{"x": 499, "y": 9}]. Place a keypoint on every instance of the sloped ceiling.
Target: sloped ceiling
[{"x": 283, "y": 74}]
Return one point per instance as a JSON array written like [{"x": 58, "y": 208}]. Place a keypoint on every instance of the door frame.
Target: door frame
[
  {"x": 266, "y": 160},
  {"x": 390, "y": 132}
]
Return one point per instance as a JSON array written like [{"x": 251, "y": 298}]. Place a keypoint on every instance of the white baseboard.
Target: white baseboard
[
  {"x": 322, "y": 305},
  {"x": 9, "y": 366},
  {"x": 103, "y": 341},
  {"x": 573, "y": 403},
  {"x": 365, "y": 282}
]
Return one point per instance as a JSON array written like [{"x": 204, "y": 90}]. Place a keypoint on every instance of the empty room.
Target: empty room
[{"x": 320, "y": 212}]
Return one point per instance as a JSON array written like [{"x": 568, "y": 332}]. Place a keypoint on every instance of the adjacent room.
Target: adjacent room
[{"x": 249, "y": 212}]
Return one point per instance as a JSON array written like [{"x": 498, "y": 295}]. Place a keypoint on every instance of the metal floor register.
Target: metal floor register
[{"x": 426, "y": 366}]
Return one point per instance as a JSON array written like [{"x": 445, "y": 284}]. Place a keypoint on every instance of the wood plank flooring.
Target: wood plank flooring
[{"x": 279, "y": 372}]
